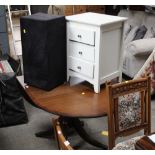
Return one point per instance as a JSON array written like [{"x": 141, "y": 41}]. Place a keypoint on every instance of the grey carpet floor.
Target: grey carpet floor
[{"x": 22, "y": 137}]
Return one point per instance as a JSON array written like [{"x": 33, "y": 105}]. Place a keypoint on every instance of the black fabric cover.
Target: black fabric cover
[
  {"x": 12, "y": 110},
  {"x": 44, "y": 50},
  {"x": 140, "y": 32}
]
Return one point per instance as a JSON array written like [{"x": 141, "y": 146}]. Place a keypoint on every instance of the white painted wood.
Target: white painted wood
[
  {"x": 82, "y": 67},
  {"x": 111, "y": 51},
  {"x": 81, "y": 35},
  {"x": 75, "y": 80},
  {"x": 81, "y": 51},
  {"x": 98, "y": 48},
  {"x": 78, "y": 78},
  {"x": 109, "y": 77},
  {"x": 18, "y": 48},
  {"x": 95, "y": 19},
  {"x": 101, "y": 61}
]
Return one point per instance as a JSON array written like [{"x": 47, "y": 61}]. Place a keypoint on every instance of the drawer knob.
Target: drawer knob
[
  {"x": 79, "y": 36},
  {"x": 80, "y": 52},
  {"x": 79, "y": 67}
]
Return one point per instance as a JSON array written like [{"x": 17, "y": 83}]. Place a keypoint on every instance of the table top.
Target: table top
[
  {"x": 145, "y": 143},
  {"x": 69, "y": 101},
  {"x": 95, "y": 19}
]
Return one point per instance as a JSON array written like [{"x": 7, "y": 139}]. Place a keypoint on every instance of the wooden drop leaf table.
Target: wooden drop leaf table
[{"x": 70, "y": 103}]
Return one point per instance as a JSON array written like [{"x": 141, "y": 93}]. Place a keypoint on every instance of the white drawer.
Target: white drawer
[
  {"x": 80, "y": 66},
  {"x": 81, "y": 51},
  {"x": 81, "y": 35}
]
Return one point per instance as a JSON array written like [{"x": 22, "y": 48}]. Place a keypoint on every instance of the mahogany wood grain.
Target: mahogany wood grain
[
  {"x": 63, "y": 143},
  {"x": 118, "y": 90},
  {"x": 145, "y": 144},
  {"x": 70, "y": 101}
]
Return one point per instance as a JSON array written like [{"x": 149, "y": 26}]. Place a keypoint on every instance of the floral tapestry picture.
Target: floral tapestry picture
[{"x": 129, "y": 110}]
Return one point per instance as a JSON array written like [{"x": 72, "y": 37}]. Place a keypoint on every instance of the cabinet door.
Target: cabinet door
[
  {"x": 4, "y": 45},
  {"x": 2, "y": 10},
  {"x": 3, "y": 24},
  {"x": 81, "y": 35}
]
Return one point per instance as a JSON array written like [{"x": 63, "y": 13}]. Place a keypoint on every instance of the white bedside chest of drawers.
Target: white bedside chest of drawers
[{"x": 94, "y": 47}]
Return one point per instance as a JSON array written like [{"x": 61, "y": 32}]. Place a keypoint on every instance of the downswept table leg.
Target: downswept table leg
[
  {"x": 45, "y": 134},
  {"x": 77, "y": 125}
]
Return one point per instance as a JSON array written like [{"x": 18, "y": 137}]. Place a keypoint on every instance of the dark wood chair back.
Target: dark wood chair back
[
  {"x": 129, "y": 108},
  {"x": 63, "y": 144}
]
